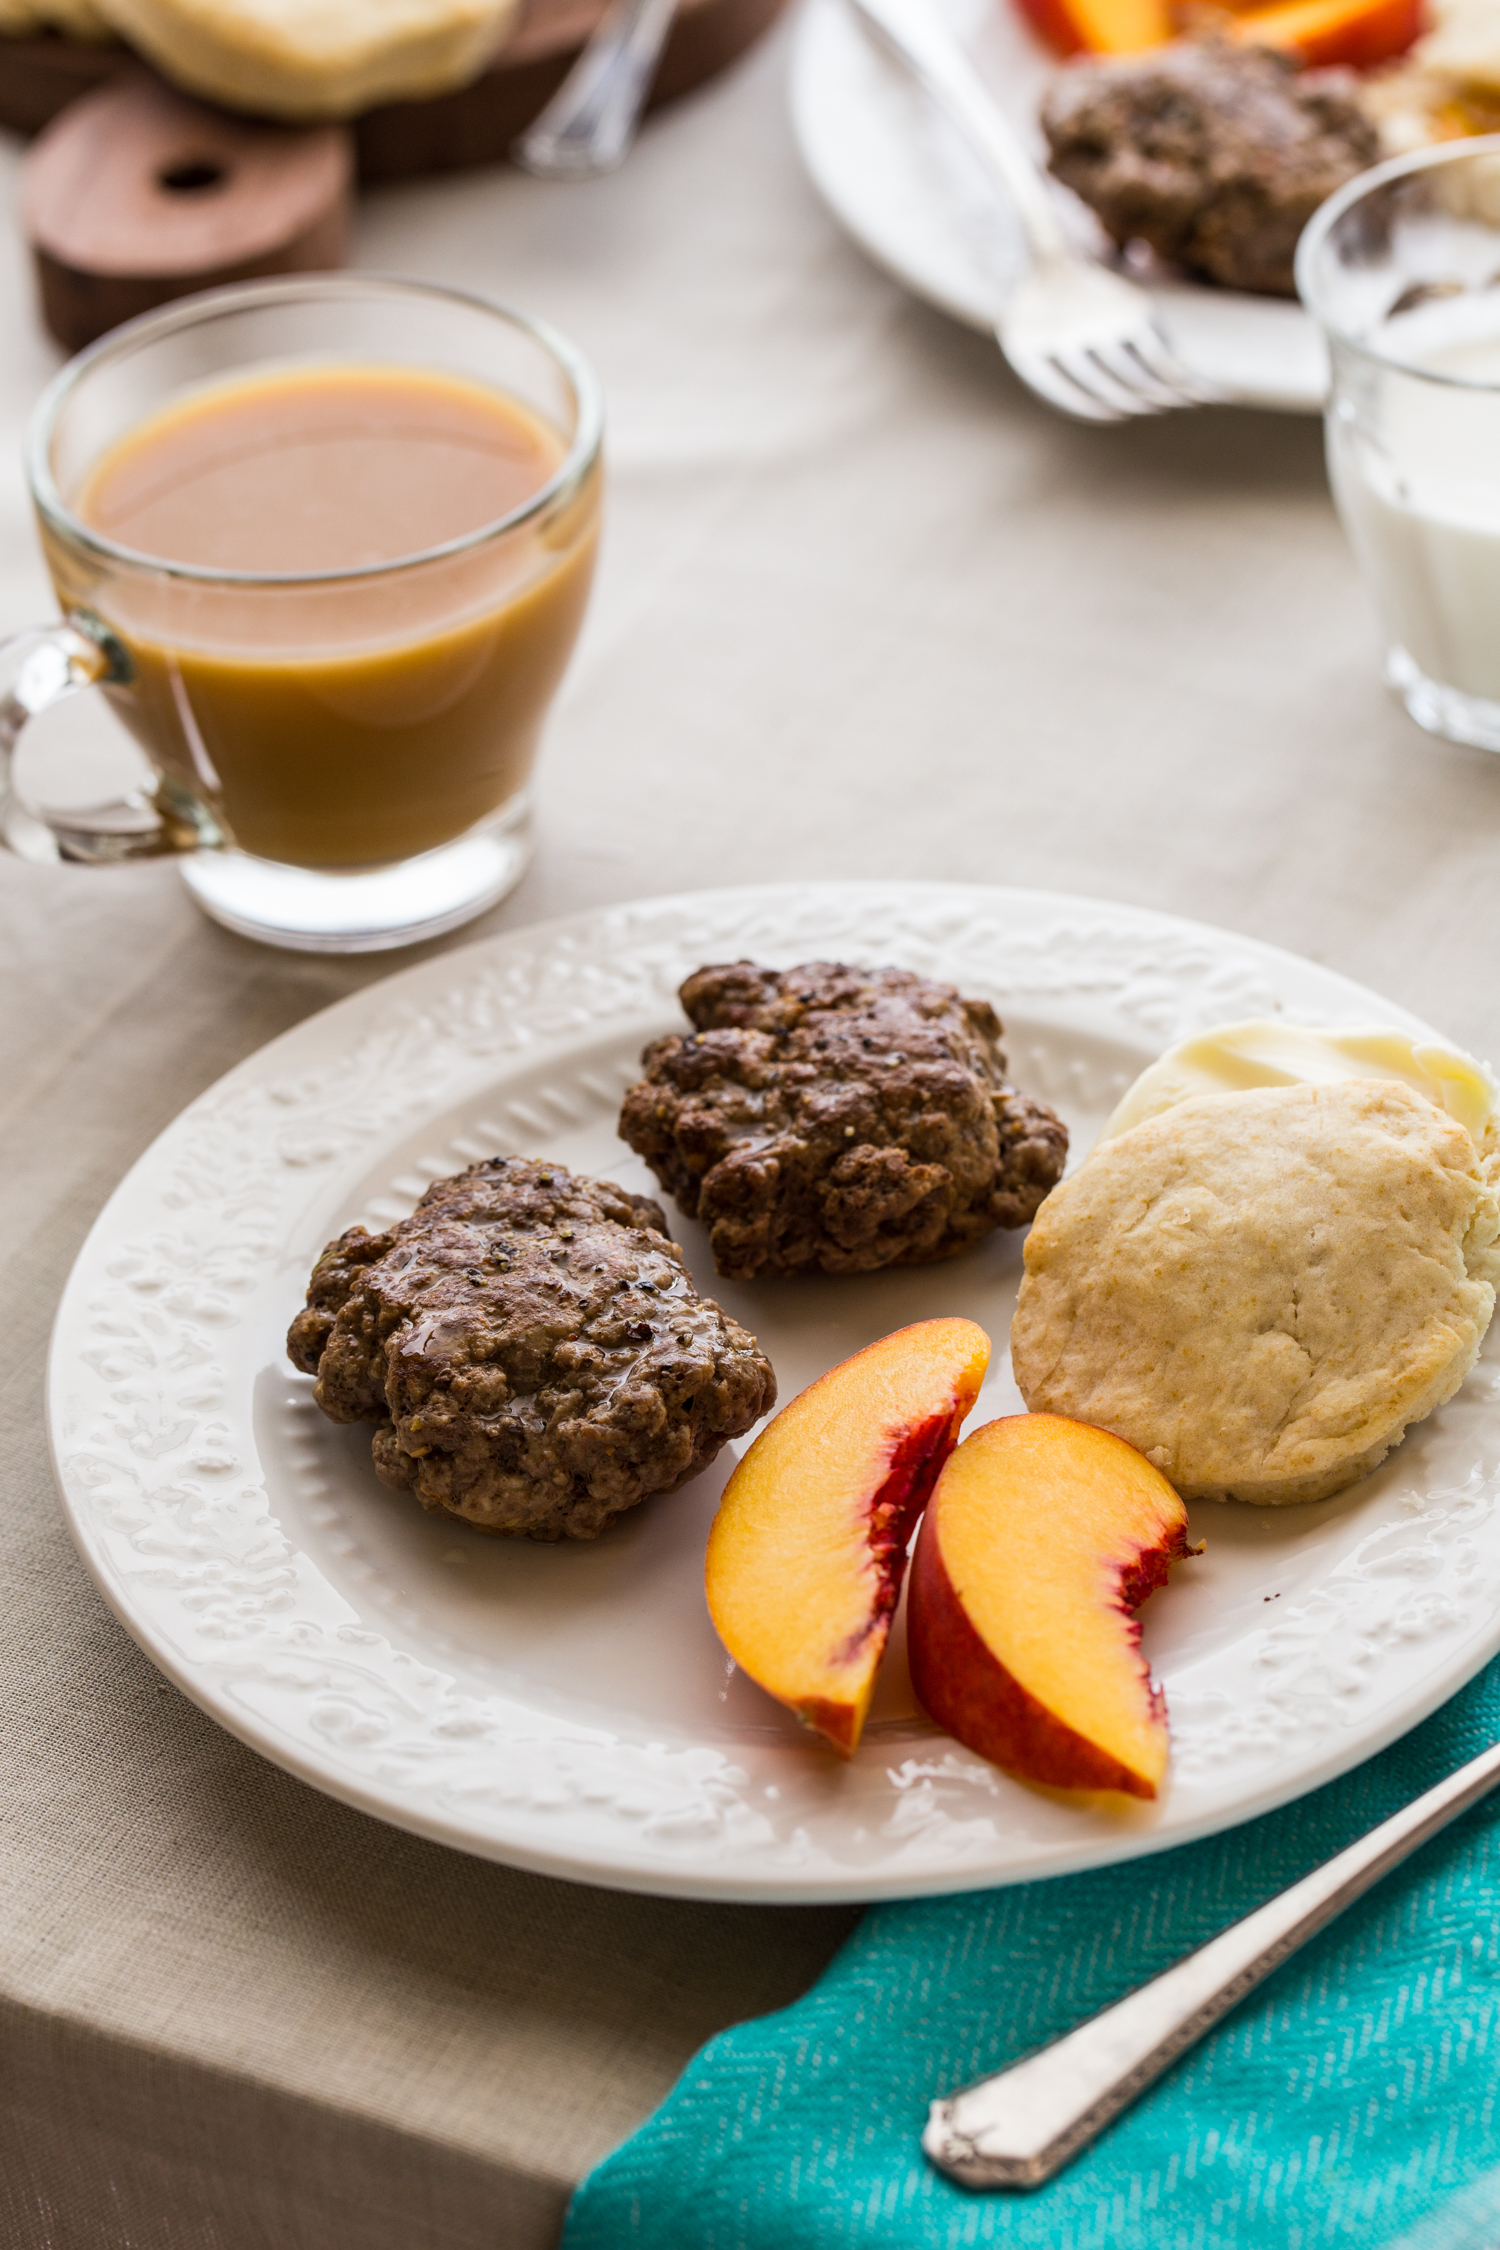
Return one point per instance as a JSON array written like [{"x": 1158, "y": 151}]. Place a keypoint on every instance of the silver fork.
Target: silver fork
[
  {"x": 1083, "y": 338},
  {"x": 592, "y": 119},
  {"x": 1018, "y": 2128}
]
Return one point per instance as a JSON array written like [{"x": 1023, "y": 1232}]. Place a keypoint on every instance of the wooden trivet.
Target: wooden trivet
[{"x": 135, "y": 195}]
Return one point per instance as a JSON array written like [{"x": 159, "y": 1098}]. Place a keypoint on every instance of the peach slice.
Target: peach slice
[
  {"x": 1041, "y": 1540},
  {"x": 808, "y": 1549},
  {"x": 1100, "y": 27},
  {"x": 1356, "y": 33}
]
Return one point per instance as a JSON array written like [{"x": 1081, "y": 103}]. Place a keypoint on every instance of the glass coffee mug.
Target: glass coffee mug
[{"x": 325, "y": 545}]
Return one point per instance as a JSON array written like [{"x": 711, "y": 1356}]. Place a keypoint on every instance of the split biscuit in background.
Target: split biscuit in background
[
  {"x": 31, "y": 19},
  {"x": 305, "y": 60},
  {"x": 1263, "y": 1290}
]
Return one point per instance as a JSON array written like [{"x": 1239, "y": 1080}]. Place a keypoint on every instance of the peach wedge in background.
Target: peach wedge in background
[
  {"x": 1042, "y": 1539},
  {"x": 808, "y": 1550}
]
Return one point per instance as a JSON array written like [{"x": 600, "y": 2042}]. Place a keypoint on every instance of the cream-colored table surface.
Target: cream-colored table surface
[{"x": 865, "y": 610}]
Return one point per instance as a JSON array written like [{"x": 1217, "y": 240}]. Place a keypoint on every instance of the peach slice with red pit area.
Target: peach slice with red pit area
[
  {"x": 808, "y": 1550},
  {"x": 1041, "y": 1542}
]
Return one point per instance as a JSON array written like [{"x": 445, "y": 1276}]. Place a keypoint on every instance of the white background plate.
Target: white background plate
[
  {"x": 909, "y": 194},
  {"x": 568, "y": 1708}
]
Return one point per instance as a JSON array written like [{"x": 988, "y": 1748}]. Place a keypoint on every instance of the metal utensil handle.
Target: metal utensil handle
[
  {"x": 946, "y": 75},
  {"x": 1021, "y": 2126},
  {"x": 591, "y": 120}
]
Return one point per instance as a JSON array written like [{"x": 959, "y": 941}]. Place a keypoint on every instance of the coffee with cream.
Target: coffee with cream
[{"x": 331, "y": 709}]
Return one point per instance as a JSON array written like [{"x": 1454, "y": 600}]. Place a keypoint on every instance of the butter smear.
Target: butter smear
[{"x": 1234, "y": 1056}]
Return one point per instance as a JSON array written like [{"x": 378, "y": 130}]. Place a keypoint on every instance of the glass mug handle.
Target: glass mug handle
[{"x": 39, "y": 668}]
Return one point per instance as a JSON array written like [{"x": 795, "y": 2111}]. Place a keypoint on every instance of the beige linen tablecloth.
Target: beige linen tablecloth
[{"x": 866, "y": 610}]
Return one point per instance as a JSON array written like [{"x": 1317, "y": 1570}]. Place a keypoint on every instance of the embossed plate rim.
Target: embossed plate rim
[{"x": 1171, "y": 973}]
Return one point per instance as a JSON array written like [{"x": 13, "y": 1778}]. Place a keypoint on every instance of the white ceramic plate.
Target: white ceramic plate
[
  {"x": 568, "y": 1708},
  {"x": 912, "y": 198}
]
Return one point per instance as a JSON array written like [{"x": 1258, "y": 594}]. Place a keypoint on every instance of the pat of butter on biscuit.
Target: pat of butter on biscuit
[{"x": 1235, "y": 1056}]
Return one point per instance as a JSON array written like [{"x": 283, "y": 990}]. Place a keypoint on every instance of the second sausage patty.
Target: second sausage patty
[{"x": 839, "y": 1118}]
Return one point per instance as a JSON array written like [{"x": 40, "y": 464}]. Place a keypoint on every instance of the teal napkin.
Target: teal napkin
[{"x": 1354, "y": 2099}]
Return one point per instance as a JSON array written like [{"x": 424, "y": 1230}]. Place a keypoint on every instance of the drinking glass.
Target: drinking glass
[
  {"x": 1401, "y": 268},
  {"x": 341, "y": 757}
]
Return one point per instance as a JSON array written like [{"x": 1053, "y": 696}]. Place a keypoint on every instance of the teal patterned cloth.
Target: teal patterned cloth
[{"x": 1354, "y": 2099}]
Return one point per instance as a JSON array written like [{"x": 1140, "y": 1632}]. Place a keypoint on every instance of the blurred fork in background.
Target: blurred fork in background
[
  {"x": 1084, "y": 339},
  {"x": 592, "y": 120}
]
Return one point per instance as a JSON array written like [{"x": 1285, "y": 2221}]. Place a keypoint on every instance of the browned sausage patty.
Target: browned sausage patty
[
  {"x": 1216, "y": 155},
  {"x": 839, "y": 1118},
  {"x": 532, "y": 1350}
]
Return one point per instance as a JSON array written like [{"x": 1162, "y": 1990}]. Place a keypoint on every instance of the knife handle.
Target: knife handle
[{"x": 1019, "y": 2127}]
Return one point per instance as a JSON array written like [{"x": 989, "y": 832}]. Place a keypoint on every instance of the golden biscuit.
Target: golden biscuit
[{"x": 1262, "y": 1291}]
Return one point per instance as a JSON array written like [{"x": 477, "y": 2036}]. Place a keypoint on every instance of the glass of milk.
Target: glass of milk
[{"x": 1402, "y": 269}]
